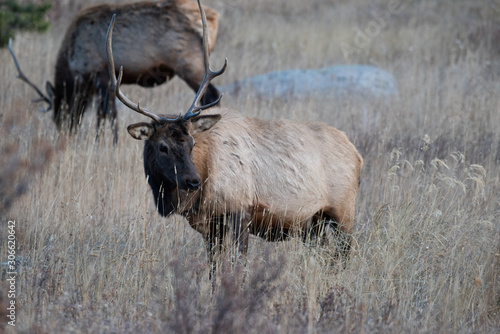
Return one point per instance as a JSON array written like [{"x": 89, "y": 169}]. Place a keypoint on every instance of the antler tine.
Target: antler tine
[
  {"x": 115, "y": 84},
  {"x": 195, "y": 110},
  {"x": 24, "y": 78}
]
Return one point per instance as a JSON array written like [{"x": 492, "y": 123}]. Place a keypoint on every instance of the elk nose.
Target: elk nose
[{"x": 193, "y": 184}]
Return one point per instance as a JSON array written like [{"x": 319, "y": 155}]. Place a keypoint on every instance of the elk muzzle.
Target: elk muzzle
[{"x": 193, "y": 184}]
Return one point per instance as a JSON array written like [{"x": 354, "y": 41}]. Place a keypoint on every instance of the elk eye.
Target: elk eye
[{"x": 164, "y": 149}]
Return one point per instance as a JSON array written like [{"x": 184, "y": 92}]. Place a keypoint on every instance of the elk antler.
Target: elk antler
[
  {"x": 24, "y": 78},
  {"x": 115, "y": 84},
  {"x": 195, "y": 110}
]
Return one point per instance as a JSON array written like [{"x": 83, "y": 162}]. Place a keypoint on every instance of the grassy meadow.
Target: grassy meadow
[{"x": 97, "y": 258}]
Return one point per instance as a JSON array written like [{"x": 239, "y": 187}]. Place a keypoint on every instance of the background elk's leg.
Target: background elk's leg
[
  {"x": 107, "y": 107},
  {"x": 78, "y": 98}
]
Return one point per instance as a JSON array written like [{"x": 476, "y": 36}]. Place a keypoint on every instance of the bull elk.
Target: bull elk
[
  {"x": 231, "y": 175},
  {"x": 154, "y": 41}
]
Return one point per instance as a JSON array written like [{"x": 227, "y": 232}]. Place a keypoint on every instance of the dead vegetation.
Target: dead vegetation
[{"x": 98, "y": 259}]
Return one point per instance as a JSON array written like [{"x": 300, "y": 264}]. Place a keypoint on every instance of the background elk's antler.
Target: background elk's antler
[{"x": 24, "y": 78}]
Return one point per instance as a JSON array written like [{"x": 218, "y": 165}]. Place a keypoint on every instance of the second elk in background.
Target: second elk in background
[{"x": 153, "y": 40}]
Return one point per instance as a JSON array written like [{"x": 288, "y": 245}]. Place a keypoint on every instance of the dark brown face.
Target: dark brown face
[
  {"x": 168, "y": 156},
  {"x": 168, "y": 151}
]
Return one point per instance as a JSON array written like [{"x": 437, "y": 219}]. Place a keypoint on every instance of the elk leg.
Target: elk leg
[
  {"x": 239, "y": 231},
  {"x": 342, "y": 239},
  {"x": 315, "y": 229},
  {"x": 83, "y": 89},
  {"x": 76, "y": 113},
  {"x": 229, "y": 230},
  {"x": 100, "y": 120},
  {"x": 107, "y": 108},
  {"x": 338, "y": 233},
  {"x": 113, "y": 114},
  {"x": 213, "y": 243}
]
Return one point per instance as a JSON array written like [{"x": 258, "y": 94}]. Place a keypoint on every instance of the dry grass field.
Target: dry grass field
[{"x": 95, "y": 257}]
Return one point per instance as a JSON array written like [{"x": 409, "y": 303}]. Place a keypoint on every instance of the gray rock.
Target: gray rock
[{"x": 355, "y": 81}]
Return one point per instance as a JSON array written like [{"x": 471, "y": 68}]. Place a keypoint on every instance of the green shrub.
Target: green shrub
[{"x": 14, "y": 16}]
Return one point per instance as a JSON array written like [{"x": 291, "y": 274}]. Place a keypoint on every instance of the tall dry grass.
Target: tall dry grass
[{"x": 97, "y": 258}]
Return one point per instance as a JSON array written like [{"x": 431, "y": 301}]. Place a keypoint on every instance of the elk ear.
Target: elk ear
[
  {"x": 141, "y": 131},
  {"x": 205, "y": 122}
]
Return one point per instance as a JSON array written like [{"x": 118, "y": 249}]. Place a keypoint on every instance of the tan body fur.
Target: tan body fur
[{"x": 281, "y": 172}]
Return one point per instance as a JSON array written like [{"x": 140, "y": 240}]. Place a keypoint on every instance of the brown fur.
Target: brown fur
[{"x": 292, "y": 170}]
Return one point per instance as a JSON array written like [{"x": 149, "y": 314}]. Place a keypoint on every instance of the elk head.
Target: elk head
[{"x": 168, "y": 151}]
